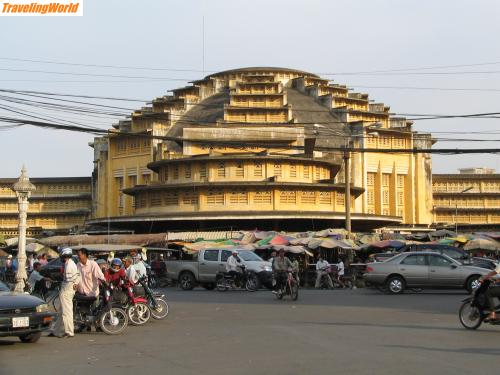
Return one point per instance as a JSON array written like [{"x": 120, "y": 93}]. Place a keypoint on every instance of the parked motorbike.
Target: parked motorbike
[
  {"x": 246, "y": 279},
  {"x": 136, "y": 307},
  {"x": 290, "y": 287},
  {"x": 475, "y": 309},
  {"x": 99, "y": 312},
  {"x": 157, "y": 302},
  {"x": 323, "y": 283}
]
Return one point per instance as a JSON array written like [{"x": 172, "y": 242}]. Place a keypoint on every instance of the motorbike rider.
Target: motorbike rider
[
  {"x": 63, "y": 326},
  {"x": 281, "y": 264},
  {"x": 116, "y": 273},
  {"x": 492, "y": 292},
  {"x": 90, "y": 274},
  {"x": 130, "y": 271},
  {"x": 321, "y": 271},
  {"x": 37, "y": 281},
  {"x": 232, "y": 265},
  {"x": 138, "y": 264}
]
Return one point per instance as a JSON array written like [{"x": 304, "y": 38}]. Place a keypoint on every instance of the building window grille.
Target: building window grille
[
  {"x": 385, "y": 197},
  {"x": 288, "y": 197},
  {"x": 307, "y": 171},
  {"x": 317, "y": 173},
  {"x": 155, "y": 199},
  {"x": 277, "y": 170},
  {"x": 339, "y": 199},
  {"x": 401, "y": 198},
  {"x": 262, "y": 197},
  {"x": 370, "y": 197},
  {"x": 221, "y": 170},
  {"x": 240, "y": 171},
  {"x": 257, "y": 170},
  {"x": 176, "y": 172},
  {"x": 386, "y": 179},
  {"x": 325, "y": 197},
  {"x": 203, "y": 170},
  {"x": 400, "y": 181},
  {"x": 293, "y": 170},
  {"x": 238, "y": 197},
  {"x": 187, "y": 171},
  {"x": 190, "y": 198},
  {"x": 215, "y": 197},
  {"x": 308, "y": 197},
  {"x": 171, "y": 198},
  {"x": 370, "y": 179}
]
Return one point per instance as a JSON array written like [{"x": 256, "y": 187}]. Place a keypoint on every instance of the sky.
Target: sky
[{"x": 335, "y": 39}]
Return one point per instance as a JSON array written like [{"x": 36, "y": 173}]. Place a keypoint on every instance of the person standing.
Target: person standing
[
  {"x": 63, "y": 326},
  {"x": 341, "y": 272},
  {"x": 321, "y": 271},
  {"x": 90, "y": 274}
]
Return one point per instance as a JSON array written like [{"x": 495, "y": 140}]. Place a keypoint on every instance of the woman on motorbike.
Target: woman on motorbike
[{"x": 116, "y": 273}]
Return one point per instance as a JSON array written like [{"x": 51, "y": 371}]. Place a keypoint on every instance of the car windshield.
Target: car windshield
[
  {"x": 3, "y": 287},
  {"x": 249, "y": 256}
]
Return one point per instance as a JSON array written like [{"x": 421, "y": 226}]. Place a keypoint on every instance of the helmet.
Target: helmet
[
  {"x": 66, "y": 252},
  {"x": 116, "y": 262}
]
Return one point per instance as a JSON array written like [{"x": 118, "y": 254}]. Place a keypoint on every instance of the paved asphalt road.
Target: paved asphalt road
[{"x": 325, "y": 332}]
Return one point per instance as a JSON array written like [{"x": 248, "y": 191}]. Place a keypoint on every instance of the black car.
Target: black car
[
  {"x": 53, "y": 269},
  {"x": 456, "y": 253},
  {"x": 23, "y": 315}
]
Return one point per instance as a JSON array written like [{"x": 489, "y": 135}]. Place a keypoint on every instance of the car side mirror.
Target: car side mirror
[{"x": 453, "y": 266}]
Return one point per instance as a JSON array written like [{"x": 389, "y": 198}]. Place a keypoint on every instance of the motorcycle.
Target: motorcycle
[
  {"x": 87, "y": 314},
  {"x": 247, "y": 280},
  {"x": 157, "y": 302},
  {"x": 290, "y": 287},
  {"x": 136, "y": 307},
  {"x": 323, "y": 283},
  {"x": 475, "y": 309}
]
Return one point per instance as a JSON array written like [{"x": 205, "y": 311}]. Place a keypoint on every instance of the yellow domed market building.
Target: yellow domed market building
[{"x": 261, "y": 148}]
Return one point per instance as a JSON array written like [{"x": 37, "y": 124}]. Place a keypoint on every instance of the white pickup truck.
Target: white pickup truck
[{"x": 205, "y": 265}]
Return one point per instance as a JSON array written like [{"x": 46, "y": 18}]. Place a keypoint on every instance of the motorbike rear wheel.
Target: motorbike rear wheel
[
  {"x": 251, "y": 284},
  {"x": 294, "y": 291},
  {"x": 114, "y": 321},
  {"x": 470, "y": 316},
  {"x": 222, "y": 284},
  {"x": 161, "y": 310},
  {"x": 139, "y": 314}
]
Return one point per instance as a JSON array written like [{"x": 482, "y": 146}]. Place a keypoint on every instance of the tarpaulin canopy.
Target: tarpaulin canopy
[
  {"x": 482, "y": 244},
  {"x": 388, "y": 243},
  {"x": 328, "y": 243}
]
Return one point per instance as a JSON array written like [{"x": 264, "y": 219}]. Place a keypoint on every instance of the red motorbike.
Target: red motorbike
[{"x": 136, "y": 306}]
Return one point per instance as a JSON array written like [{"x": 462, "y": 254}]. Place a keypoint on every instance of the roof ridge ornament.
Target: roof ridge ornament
[{"x": 23, "y": 184}]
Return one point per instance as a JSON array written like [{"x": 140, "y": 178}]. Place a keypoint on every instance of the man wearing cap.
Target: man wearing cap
[{"x": 63, "y": 326}]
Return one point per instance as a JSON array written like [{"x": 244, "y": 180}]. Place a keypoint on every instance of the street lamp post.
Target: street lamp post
[
  {"x": 23, "y": 188},
  {"x": 347, "y": 177},
  {"x": 456, "y": 207}
]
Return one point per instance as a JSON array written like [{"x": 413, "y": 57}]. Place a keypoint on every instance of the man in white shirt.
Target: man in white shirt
[
  {"x": 130, "y": 271},
  {"x": 341, "y": 272},
  {"x": 36, "y": 281},
  {"x": 232, "y": 265},
  {"x": 321, "y": 271},
  {"x": 63, "y": 326}
]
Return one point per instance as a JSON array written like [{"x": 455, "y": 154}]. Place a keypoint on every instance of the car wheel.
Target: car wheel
[
  {"x": 396, "y": 285},
  {"x": 186, "y": 281},
  {"x": 31, "y": 338},
  {"x": 472, "y": 283}
]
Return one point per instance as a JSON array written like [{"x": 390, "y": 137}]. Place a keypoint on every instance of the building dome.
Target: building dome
[{"x": 241, "y": 146}]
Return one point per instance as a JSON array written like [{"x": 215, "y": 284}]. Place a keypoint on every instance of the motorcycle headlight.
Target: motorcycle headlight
[{"x": 42, "y": 308}]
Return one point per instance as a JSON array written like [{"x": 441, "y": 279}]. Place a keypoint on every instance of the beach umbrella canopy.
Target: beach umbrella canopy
[
  {"x": 328, "y": 243},
  {"x": 482, "y": 244},
  {"x": 278, "y": 240},
  {"x": 441, "y": 234},
  {"x": 388, "y": 243}
]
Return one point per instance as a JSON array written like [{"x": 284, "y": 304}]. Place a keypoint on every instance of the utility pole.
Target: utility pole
[
  {"x": 23, "y": 188},
  {"x": 347, "y": 178}
]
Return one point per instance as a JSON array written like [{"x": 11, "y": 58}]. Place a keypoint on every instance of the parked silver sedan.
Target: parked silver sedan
[{"x": 422, "y": 270}]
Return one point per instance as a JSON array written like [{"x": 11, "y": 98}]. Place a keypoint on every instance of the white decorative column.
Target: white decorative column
[{"x": 23, "y": 188}]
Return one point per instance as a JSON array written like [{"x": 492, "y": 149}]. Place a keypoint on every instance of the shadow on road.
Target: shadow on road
[
  {"x": 402, "y": 326},
  {"x": 486, "y": 351}
]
